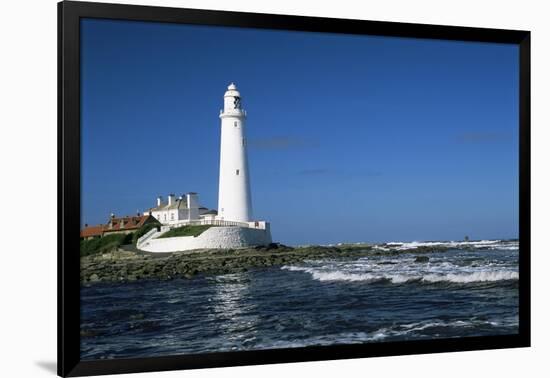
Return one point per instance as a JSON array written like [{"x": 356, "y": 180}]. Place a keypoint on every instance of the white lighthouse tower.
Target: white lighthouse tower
[{"x": 234, "y": 202}]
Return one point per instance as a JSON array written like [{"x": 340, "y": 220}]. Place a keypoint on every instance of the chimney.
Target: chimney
[
  {"x": 192, "y": 200},
  {"x": 171, "y": 199},
  {"x": 159, "y": 201},
  {"x": 193, "y": 205}
]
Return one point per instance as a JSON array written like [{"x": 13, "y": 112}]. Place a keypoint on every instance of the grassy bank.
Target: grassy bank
[
  {"x": 104, "y": 244},
  {"x": 186, "y": 231},
  {"x": 112, "y": 242}
]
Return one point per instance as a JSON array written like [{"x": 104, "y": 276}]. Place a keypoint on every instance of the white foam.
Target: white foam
[
  {"x": 420, "y": 326},
  {"x": 480, "y": 244},
  {"x": 489, "y": 276},
  {"x": 398, "y": 278},
  {"x": 460, "y": 267},
  {"x": 486, "y": 244},
  {"x": 337, "y": 275}
]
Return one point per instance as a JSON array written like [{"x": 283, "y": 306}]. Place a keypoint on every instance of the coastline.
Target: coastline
[
  {"x": 344, "y": 294},
  {"x": 129, "y": 264}
]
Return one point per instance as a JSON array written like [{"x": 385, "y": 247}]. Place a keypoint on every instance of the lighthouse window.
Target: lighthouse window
[
  {"x": 237, "y": 172},
  {"x": 236, "y": 124},
  {"x": 244, "y": 141}
]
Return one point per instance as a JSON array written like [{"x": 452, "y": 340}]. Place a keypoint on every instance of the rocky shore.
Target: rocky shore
[{"x": 127, "y": 264}]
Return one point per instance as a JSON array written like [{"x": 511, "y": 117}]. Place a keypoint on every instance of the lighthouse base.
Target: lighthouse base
[{"x": 213, "y": 238}]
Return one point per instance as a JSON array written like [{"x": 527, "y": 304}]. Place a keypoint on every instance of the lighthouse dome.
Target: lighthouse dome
[{"x": 232, "y": 91}]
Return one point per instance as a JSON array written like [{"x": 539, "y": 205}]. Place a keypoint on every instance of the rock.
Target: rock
[{"x": 217, "y": 261}]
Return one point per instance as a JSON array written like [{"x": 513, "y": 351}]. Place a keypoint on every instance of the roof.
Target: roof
[
  {"x": 177, "y": 204},
  {"x": 232, "y": 91},
  {"x": 92, "y": 231},
  {"x": 210, "y": 212},
  {"x": 128, "y": 223}
]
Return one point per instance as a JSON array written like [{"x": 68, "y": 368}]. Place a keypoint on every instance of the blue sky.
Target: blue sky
[{"x": 351, "y": 138}]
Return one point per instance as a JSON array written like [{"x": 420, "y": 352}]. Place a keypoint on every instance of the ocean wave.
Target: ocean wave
[
  {"x": 414, "y": 328},
  {"x": 459, "y": 278},
  {"x": 496, "y": 244},
  {"x": 473, "y": 277},
  {"x": 478, "y": 244},
  {"x": 426, "y": 327}
]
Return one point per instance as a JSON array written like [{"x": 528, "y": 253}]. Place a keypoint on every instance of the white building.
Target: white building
[{"x": 184, "y": 209}]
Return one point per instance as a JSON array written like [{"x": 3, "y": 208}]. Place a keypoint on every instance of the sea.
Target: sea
[{"x": 470, "y": 289}]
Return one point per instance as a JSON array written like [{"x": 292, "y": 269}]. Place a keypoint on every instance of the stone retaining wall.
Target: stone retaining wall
[{"x": 214, "y": 237}]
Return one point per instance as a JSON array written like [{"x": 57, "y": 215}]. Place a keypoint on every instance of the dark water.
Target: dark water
[{"x": 376, "y": 299}]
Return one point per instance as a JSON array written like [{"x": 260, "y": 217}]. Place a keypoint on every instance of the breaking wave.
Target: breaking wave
[
  {"x": 430, "y": 328},
  {"x": 488, "y": 276},
  {"x": 473, "y": 277},
  {"x": 479, "y": 244},
  {"x": 510, "y": 245},
  {"x": 482, "y": 261}
]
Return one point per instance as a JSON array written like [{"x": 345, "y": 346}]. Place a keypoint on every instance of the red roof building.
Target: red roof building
[
  {"x": 127, "y": 224},
  {"x": 90, "y": 232},
  {"x": 123, "y": 225}
]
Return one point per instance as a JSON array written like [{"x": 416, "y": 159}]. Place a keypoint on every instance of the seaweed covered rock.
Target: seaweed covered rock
[{"x": 124, "y": 265}]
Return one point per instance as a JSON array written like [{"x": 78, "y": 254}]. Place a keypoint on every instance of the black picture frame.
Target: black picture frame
[{"x": 69, "y": 14}]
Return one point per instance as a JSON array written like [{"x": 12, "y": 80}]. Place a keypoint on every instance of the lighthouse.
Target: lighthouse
[
  {"x": 235, "y": 227},
  {"x": 234, "y": 201}
]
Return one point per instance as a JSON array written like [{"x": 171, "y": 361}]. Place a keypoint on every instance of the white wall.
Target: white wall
[
  {"x": 28, "y": 36},
  {"x": 214, "y": 237},
  {"x": 173, "y": 216}
]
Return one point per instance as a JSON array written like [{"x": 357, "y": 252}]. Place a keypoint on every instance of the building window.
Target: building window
[
  {"x": 172, "y": 216},
  {"x": 164, "y": 216},
  {"x": 237, "y": 172}
]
